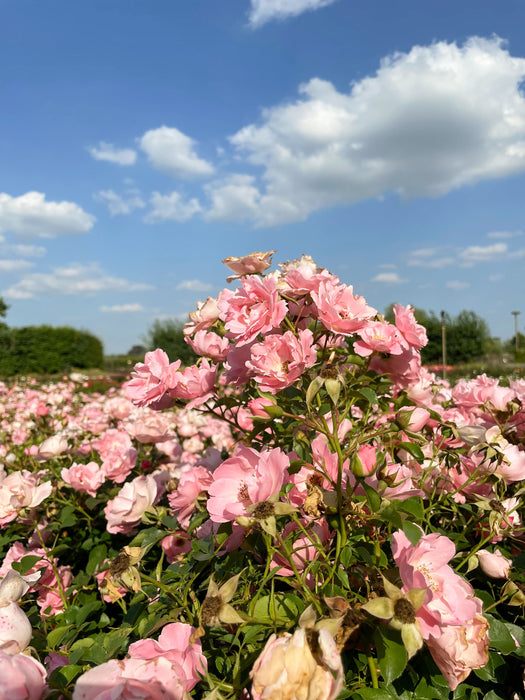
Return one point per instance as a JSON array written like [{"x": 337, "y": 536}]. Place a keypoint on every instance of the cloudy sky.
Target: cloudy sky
[{"x": 142, "y": 141}]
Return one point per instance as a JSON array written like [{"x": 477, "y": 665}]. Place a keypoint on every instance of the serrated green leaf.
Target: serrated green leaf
[
  {"x": 369, "y": 394},
  {"x": 372, "y": 497},
  {"x": 499, "y": 636},
  {"x": 26, "y": 563},
  {"x": 412, "y": 531},
  {"x": 413, "y": 449},
  {"x": 281, "y": 609}
]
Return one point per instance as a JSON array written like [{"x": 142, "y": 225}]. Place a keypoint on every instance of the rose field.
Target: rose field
[{"x": 307, "y": 513}]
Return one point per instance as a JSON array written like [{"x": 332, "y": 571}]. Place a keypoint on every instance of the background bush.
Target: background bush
[{"x": 47, "y": 350}]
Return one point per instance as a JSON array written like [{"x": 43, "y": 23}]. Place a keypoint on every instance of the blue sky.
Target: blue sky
[{"x": 143, "y": 141}]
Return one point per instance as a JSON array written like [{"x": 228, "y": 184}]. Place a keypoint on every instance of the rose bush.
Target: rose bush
[{"x": 306, "y": 512}]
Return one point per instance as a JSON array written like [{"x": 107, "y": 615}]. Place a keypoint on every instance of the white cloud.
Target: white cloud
[
  {"x": 495, "y": 278},
  {"x": 117, "y": 204},
  {"x": 478, "y": 253},
  {"x": 76, "y": 279},
  {"x": 233, "y": 198},
  {"x": 173, "y": 153},
  {"x": 194, "y": 286},
  {"x": 122, "y": 308},
  {"x": 31, "y": 251},
  {"x": 504, "y": 234},
  {"x": 457, "y": 285},
  {"x": 429, "y": 121},
  {"x": 263, "y": 11},
  {"x": 388, "y": 278},
  {"x": 31, "y": 216},
  {"x": 171, "y": 207},
  {"x": 426, "y": 257},
  {"x": 108, "y": 152},
  {"x": 15, "y": 265}
]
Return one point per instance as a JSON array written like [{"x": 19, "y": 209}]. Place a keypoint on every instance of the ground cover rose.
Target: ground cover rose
[
  {"x": 23, "y": 678},
  {"x": 125, "y": 511}
]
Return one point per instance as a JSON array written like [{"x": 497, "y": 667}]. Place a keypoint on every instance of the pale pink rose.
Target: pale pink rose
[
  {"x": 379, "y": 337},
  {"x": 258, "y": 406},
  {"x": 473, "y": 392},
  {"x": 288, "y": 669},
  {"x": 367, "y": 464},
  {"x": 414, "y": 333},
  {"x": 150, "y": 427},
  {"x": 52, "y": 447},
  {"x": 118, "y": 456},
  {"x": 151, "y": 380},
  {"x": 413, "y": 419},
  {"x": 280, "y": 360},
  {"x": 192, "y": 484},
  {"x": 248, "y": 264},
  {"x": 131, "y": 679},
  {"x": 512, "y": 467},
  {"x": 15, "y": 628},
  {"x": 21, "y": 490},
  {"x": 118, "y": 407},
  {"x": 209, "y": 345},
  {"x": 84, "y": 477},
  {"x": 203, "y": 318},
  {"x": 125, "y": 511},
  {"x": 303, "y": 276},
  {"x": 246, "y": 478},
  {"x": 494, "y": 564},
  {"x": 195, "y": 383},
  {"x": 175, "y": 645},
  {"x": 237, "y": 373},
  {"x": 49, "y": 599},
  {"x": 23, "y": 678},
  {"x": 339, "y": 310},
  {"x": 255, "y": 308},
  {"x": 460, "y": 649}
]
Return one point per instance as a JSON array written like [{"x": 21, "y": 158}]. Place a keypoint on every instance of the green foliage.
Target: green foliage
[
  {"x": 168, "y": 336},
  {"x": 47, "y": 350},
  {"x": 3, "y": 308}
]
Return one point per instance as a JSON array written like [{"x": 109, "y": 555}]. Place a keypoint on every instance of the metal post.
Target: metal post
[
  {"x": 444, "y": 343},
  {"x": 516, "y": 334}
]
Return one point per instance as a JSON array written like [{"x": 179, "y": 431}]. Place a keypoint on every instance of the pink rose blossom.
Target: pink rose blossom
[
  {"x": 118, "y": 456},
  {"x": 203, "y": 318},
  {"x": 23, "y": 678},
  {"x": 194, "y": 383},
  {"x": 209, "y": 345},
  {"x": 255, "y": 308},
  {"x": 151, "y": 380},
  {"x": 246, "y": 478},
  {"x": 280, "y": 360},
  {"x": 84, "y": 477},
  {"x": 52, "y": 447},
  {"x": 20, "y": 490},
  {"x": 192, "y": 484},
  {"x": 414, "y": 333},
  {"x": 149, "y": 426},
  {"x": 379, "y": 337},
  {"x": 15, "y": 628},
  {"x": 248, "y": 264},
  {"x": 340, "y": 310},
  {"x": 125, "y": 511}
]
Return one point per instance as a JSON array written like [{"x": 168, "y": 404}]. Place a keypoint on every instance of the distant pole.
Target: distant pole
[
  {"x": 444, "y": 343},
  {"x": 516, "y": 314}
]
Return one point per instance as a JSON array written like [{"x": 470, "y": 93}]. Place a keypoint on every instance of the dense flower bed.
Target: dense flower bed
[{"x": 305, "y": 513}]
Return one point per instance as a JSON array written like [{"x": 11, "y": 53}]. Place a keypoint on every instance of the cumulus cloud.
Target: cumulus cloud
[
  {"x": 466, "y": 257},
  {"x": 15, "y": 265},
  {"x": 478, "y": 253},
  {"x": 234, "y": 198},
  {"x": 120, "y": 205},
  {"x": 429, "y": 121},
  {"x": 194, "y": 286},
  {"x": 31, "y": 216},
  {"x": 173, "y": 153},
  {"x": 263, "y": 11},
  {"x": 108, "y": 152},
  {"x": 388, "y": 278},
  {"x": 500, "y": 235},
  {"x": 429, "y": 257},
  {"x": 74, "y": 280},
  {"x": 122, "y": 308},
  {"x": 171, "y": 207},
  {"x": 457, "y": 285}
]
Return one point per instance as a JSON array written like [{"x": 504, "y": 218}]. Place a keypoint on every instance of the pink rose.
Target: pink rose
[
  {"x": 23, "y": 678},
  {"x": 194, "y": 383},
  {"x": 203, "y": 318},
  {"x": 494, "y": 564},
  {"x": 19, "y": 490},
  {"x": 248, "y": 264},
  {"x": 84, "y": 477},
  {"x": 255, "y": 308},
  {"x": 15, "y": 628},
  {"x": 339, "y": 310},
  {"x": 52, "y": 447},
  {"x": 414, "y": 333},
  {"x": 379, "y": 337},
  {"x": 125, "y": 511},
  {"x": 280, "y": 360},
  {"x": 151, "y": 380},
  {"x": 209, "y": 345}
]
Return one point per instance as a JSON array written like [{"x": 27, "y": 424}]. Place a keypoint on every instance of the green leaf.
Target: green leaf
[
  {"x": 412, "y": 531},
  {"x": 147, "y": 538},
  {"x": 499, "y": 636},
  {"x": 391, "y": 653},
  {"x": 377, "y": 694},
  {"x": 62, "y": 677},
  {"x": 369, "y": 394},
  {"x": 281, "y": 609},
  {"x": 372, "y": 497},
  {"x": 413, "y": 449},
  {"x": 413, "y": 506},
  {"x": 26, "y": 563},
  {"x": 96, "y": 557},
  {"x": 55, "y": 637}
]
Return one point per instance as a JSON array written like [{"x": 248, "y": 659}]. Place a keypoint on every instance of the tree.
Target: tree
[
  {"x": 3, "y": 308},
  {"x": 168, "y": 336}
]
